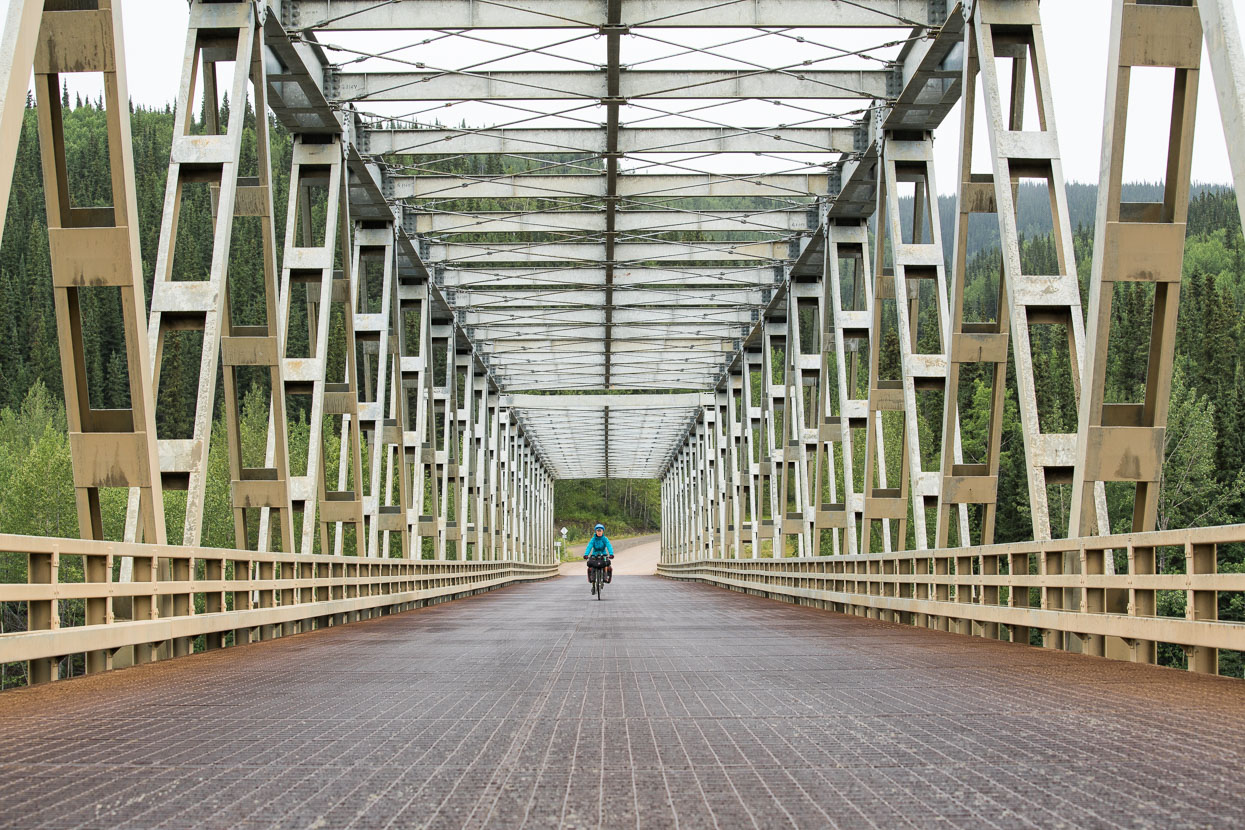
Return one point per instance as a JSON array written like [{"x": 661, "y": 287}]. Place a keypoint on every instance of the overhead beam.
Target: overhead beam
[
  {"x": 636, "y": 84},
  {"x": 481, "y": 252},
  {"x": 383, "y": 141},
  {"x": 365, "y": 15},
  {"x": 554, "y": 318},
  {"x": 728, "y": 276},
  {"x": 626, "y": 221},
  {"x": 617, "y": 403},
  {"x": 613, "y": 91},
  {"x": 623, "y": 297},
  {"x": 778, "y": 185},
  {"x": 656, "y": 349},
  {"x": 585, "y": 332}
]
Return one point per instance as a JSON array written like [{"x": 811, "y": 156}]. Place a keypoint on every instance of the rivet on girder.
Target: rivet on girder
[
  {"x": 938, "y": 12},
  {"x": 860, "y": 137},
  {"x": 834, "y": 181},
  {"x": 894, "y": 80}
]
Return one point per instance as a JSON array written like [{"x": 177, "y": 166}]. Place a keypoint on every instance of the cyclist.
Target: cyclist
[{"x": 599, "y": 546}]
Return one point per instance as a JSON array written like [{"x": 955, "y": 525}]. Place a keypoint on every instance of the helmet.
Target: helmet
[{"x": 598, "y": 527}]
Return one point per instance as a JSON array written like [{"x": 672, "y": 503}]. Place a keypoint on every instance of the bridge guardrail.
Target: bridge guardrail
[
  {"x": 179, "y": 593},
  {"x": 1061, "y": 588}
]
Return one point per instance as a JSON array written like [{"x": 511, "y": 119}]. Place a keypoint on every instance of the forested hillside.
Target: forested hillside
[{"x": 1033, "y": 218}]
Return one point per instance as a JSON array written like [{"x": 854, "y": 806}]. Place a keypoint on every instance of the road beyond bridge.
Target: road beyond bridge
[{"x": 667, "y": 705}]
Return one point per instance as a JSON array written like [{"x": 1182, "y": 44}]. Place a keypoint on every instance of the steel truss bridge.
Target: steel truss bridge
[{"x": 704, "y": 219}]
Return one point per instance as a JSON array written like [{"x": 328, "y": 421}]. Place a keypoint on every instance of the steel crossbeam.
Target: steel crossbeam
[
  {"x": 398, "y": 140},
  {"x": 370, "y": 15},
  {"x": 635, "y": 85},
  {"x": 594, "y": 186}
]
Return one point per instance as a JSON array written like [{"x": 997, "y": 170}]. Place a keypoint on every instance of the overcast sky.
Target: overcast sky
[{"x": 1076, "y": 38}]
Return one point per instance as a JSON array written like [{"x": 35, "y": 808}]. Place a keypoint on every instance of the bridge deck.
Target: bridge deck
[{"x": 664, "y": 705}]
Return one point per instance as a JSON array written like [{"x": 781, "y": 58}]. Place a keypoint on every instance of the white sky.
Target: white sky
[{"x": 1076, "y": 38}]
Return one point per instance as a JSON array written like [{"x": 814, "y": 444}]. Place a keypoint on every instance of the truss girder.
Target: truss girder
[
  {"x": 635, "y": 276},
  {"x": 635, "y": 85},
  {"x": 93, "y": 247},
  {"x": 369, "y": 15},
  {"x": 593, "y": 186},
  {"x": 440, "y": 223},
  {"x": 180, "y": 300},
  {"x": 383, "y": 140},
  {"x": 1141, "y": 243}
]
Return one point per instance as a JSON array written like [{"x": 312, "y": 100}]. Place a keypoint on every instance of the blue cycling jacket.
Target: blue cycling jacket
[{"x": 599, "y": 545}]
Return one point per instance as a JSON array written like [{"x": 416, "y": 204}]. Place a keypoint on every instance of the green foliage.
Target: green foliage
[{"x": 626, "y": 507}]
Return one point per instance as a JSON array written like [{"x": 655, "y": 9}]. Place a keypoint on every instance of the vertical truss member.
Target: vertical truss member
[
  {"x": 1033, "y": 299},
  {"x": 454, "y": 503},
  {"x": 826, "y": 430},
  {"x": 415, "y": 362},
  {"x": 505, "y": 479},
  {"x": 91, "y": 248},
  {"x": 468, "y": 453},
  {"x": 710, "y": 471},
  {"x": 797, "y": 500},
  {"x": 753, "y": 425},
  {"x": 442, "y": 426},
  {"x": 381, "y": 421},
  {"x": 918, "y": 284},
  {"x": 735, "y": 410},
  {"x": 218, "y": 33},
  {"x": 1142, "y": 243},
  {"x": 725, "y": 472},
  {"x": 982, "y": 340},
  {"x": 258, "y": 344},
  {"x": 318, "y": 183},
  {"x": 496, "y": 454},
  {"x": 849, "y": 243},
  {"x": 882, "y": 503},
  {"x": 773, "y": 404}
]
